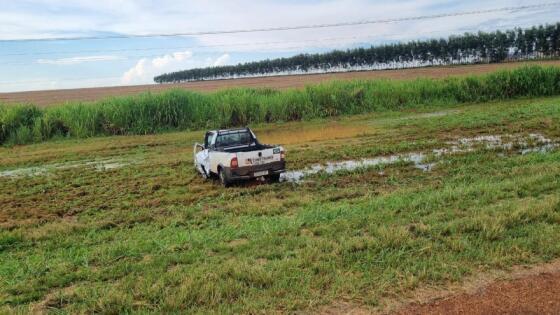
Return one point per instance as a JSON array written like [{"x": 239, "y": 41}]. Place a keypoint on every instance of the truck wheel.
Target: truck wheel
[
  {"x": 223, "y": 178},
  {"x": 274, "y": 178}
]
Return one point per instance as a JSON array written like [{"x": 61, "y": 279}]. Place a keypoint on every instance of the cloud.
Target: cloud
[
  {"x": 44, "y": 18},
  {"x": 146, "y": 69},
  {"x": 222, "y": 60},
  {"x": 78, "y": 60},
  {"x": 176, "y": 57}
]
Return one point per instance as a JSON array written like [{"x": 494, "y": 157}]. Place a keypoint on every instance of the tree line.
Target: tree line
[{"x": 483, "y": 47}]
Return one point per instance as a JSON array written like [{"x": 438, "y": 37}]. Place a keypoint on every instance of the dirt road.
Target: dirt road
[{"x": 53, "y": 97}]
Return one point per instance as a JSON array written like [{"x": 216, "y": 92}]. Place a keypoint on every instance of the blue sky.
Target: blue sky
[{"x": 37, "y": 65}]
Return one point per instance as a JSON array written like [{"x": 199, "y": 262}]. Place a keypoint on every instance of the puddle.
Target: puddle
[
  {"x": 546, "y": 145},
  {"x": 109, "y": 166},
  {"x": 331, "y": 167},
  {"x": 98, "y": 165},
  {"x": 526, "y": 144},
  {"x": 540, "y": 149},
  {"x": 534, "y": 142}
]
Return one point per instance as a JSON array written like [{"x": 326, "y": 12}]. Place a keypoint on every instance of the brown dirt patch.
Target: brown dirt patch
[
  {"x": 536, "y": 293},
  {"x": 523, "y": 290},
  {"x": 533, "y": 290},
  {"x": 53, "y": 97},
  {"x": 312, "y": 133}
]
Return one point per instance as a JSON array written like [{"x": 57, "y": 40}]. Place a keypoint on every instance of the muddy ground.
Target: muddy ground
[{"x": 53, "y": 97}]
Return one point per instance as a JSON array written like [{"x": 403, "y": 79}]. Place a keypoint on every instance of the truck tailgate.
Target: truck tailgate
[{"x": 258, "y": 157}]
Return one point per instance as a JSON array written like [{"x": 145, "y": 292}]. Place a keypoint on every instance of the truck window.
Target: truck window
[
  {"x": 208, "y": 139},
  {"x": 234, "y": 139}
]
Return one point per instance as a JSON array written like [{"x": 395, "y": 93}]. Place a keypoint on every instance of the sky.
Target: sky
[{"x": 42, "y": 65}]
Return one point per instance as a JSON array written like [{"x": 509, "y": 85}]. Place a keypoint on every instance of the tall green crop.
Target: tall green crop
[{"x": 182, "y": 110}]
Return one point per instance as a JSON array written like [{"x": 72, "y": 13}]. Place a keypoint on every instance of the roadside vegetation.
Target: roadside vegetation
[
  {"x": 149, "y": 235},
  {"x": 184, "y": 110},
  {"x": 515, "y": 44}
]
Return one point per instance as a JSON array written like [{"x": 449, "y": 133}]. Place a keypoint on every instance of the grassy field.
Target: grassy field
[{"x": 123, "y": 224}]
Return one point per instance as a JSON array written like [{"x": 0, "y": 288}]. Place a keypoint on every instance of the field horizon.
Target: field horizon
[{"x": 45, "y": 98}]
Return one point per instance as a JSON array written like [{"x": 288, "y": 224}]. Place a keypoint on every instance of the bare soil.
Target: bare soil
[
  {"x": 54, "y": 97},
  {"x": 524, "y": 290},
  {"x": 534, "y": 294}
]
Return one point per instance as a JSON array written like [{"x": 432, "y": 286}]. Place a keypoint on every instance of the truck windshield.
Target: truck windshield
[{"x": 234, "y": 139}]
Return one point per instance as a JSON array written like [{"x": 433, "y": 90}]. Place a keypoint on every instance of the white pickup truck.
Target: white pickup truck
[{"x": 236, "y": 154}]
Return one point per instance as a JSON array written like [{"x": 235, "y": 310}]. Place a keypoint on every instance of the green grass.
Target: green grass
[
  {"x": 154, "y": 237},
  {"x": 184, "y": 110}
]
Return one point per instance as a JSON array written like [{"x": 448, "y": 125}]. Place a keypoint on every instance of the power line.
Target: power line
[
  {"x": 299, "y": 27},
  {"x": 179, "y": 47},
  {"x": 385, "y": 36},
  {"x": 210, "y": 46},
  {"x": 227, "y": 45}
]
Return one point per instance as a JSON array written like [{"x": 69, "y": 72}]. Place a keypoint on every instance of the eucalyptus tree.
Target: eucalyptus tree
[{"x": 534, "y": 42}]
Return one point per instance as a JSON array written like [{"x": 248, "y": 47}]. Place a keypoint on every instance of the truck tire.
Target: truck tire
[
  {"x": 224, "y": 180},
  {"x": 274, "y": 178}
]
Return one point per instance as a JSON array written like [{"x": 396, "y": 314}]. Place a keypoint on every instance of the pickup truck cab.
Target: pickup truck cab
[{"x": 236, "y": 154}]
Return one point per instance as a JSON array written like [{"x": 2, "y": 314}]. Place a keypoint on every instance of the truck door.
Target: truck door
[{"x": 205, "y": 154}]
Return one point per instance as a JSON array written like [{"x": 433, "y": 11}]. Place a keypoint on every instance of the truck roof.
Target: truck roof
[{"x": 233, "y": 130}]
